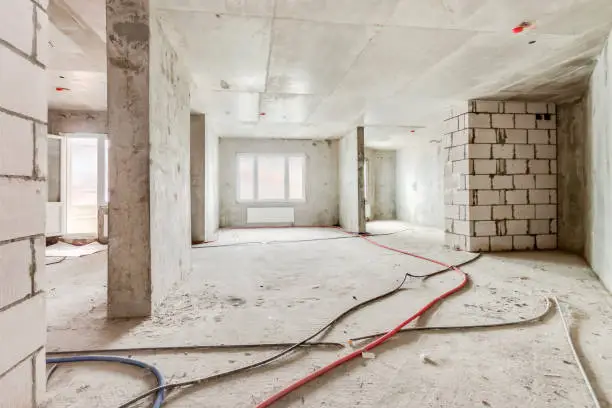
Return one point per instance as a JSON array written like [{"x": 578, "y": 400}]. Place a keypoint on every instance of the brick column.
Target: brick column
[
  {"x": 500, "y": 176},
  {"x": 23, "y": 172}
]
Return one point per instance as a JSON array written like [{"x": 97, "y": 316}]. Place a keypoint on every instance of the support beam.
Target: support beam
[
  {"x": 197, "y": 166},
  {"x": 148, "y": 128}
]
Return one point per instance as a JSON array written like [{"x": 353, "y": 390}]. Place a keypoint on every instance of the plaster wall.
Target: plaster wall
[
  {"x": 419, "y": 180},
  {"x": 211, "y": 181},
  {"x": 348, "y": 179},
  {"x": 321, "y": 179}
]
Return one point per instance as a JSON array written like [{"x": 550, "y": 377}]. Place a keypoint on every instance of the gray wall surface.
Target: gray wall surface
[
  {"x": 381, "y": 184},
  {"x": 419, "y": 178},
  {"x": 211, "y": 181},
  {"x": 321, "y": 178},
  {"x": 169, "y": 141},
  {"x": 586, "y": 193},
  {"x": 348, "y": 178},
  {"x": 197, "y": 174}
]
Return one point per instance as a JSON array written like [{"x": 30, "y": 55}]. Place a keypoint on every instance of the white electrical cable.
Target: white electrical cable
[{"x": 585, "y": 377}]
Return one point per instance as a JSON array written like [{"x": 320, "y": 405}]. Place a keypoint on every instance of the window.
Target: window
[{"x": 271, "y": 177}]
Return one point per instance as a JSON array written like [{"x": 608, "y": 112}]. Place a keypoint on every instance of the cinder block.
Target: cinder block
[
  {"x": 502, "y": 120},
  {"x": 514, "y": 107},
  {"x": 546, "y": 211},
  {"x": 460, "y": 137},
  {"x": 479, "y": 213},
  {"x": 15, "y": 262},
  {"x": 462, "y": 227},
  {"x": 451, "y": 211},
  {"x": 447, "y": 141},
  {"x": 42, "y": 36},
  {"x": 479, "y": 151},
  {"x": 484, "y": 228},
  {"x": 23, "y": 208},
  {"x": 501, "y": 243},
  {"x": 451, "y": 125},
  {"x": 484, "y": 136},
  {"x": 502, "y": 212},
  {"x": 17, "y": 141},
  {"x": 23, "y": 329},
  {"x": 546, "y": 151},
  {"x": 538, "y": 137},
  {"x": 461, "y": 197},
  {"x": 518, "y": 166},
  {"x": 516, "y": 136},
  {"x": 547, "y": 124},
  {"x": 523, "y": 212},
  {"x": 448, "y": 225},
  {"x": 478, "y": 182},
  {"x": 478, "y": 244},
  {"x": 462, "y": 167},
  {"x": 524, "y": 151},
  {"x": 552, "y": 136},
  {"x": 553, "y": 196},
  {"x": 553, "y": 226},
  {"x": 455, "y": 241},
  {"x": 503, "y": 151},
  {"x": 516, "y": 227},
  {"x": 516, "y": 197},
  {"x": 539, "y": 227},
  {"x": 537, "y": 107},
  {"x": 539, "y": 166},
  {"x": 502, "y": 182},
  {"x": 524, "y": 121},
  {"x": 40, "y": 140},
  {"x": 478, "y": 120},
  {"x": 537, "y": 196},
  {"x": 463, "y": 212},
  {"x": 523, "y": 242},
  {"x": 546, "y": 241},
  {"x": 23, "y": 93},
  {"x": 16, "y": 386},
  {"x": 553, "y": 166},
  {"x": 482, "y": 166},
  {"x": 488, "y": 197},
  {"x": 552, "y": 108},
  {"x": 17, "y": 27},
  {"x": 39, "y": 264},
  {"x": 457, "y": 153},
  {"x": 40, "y": 375},
  {"x": 524, "y": 181},
  {"x": 488, "y": 106}
]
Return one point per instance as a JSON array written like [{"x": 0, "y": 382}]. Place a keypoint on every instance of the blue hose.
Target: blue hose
[{"x": 159, "y": 399}]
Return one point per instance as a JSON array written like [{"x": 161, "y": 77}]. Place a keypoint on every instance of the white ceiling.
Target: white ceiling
[{"x": 316, "y": 68}]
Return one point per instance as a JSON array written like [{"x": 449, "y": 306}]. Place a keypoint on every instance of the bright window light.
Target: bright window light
[{"x": 271, "y": 177}]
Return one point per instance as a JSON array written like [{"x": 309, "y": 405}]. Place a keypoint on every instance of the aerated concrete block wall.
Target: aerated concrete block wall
[
  {"x": 500, "y": 176},
  {"x": 23, "y": 169}
]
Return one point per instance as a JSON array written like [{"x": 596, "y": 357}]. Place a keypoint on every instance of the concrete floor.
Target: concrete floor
[{"x": 283, "y": 291}]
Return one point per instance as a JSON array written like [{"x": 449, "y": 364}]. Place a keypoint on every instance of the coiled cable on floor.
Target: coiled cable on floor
[{"x": 160, "y": 395}]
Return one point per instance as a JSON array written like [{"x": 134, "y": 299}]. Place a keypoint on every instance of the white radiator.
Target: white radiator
[{"x": 270, "y": 215}]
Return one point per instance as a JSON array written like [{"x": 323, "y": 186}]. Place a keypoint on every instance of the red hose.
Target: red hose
[{"x": 274, "y": 398}]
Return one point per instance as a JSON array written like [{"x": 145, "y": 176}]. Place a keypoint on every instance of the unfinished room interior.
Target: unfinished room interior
[{"x": 305, "y": 203}]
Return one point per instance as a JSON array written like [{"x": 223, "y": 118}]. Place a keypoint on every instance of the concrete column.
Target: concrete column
[
  {"x": 198, "y": 161},
  {"x": 148, "y": 128},
  {"x": 23, "y": 195},
  {"x": 361, "y": 178}
]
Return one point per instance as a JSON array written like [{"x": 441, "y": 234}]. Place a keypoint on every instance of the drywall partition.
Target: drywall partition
[
  {"x": 148, "y": 128},
  {"x": 351, "y": 157},
  {"x": 320, "y": 206},
  {"x": 585, "y": 181},
  {"x": 23, "y": 194},
  {"x": 197, "y": 166},
  {"x": 211, "y": 181},
  {"x": 420, "y": 183},
  {"x": 380, "y": 185}
]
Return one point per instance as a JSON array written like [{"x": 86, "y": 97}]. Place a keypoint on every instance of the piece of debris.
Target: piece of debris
[
  {"x": 316, "y": 286},
  {"x": 368, "y": 356},
  {"x": 426, "y": 360}
]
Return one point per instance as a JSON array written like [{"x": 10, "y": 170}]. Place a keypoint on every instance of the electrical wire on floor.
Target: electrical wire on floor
[
  {"x": 160, "y": 395},
  {"x": 266, "y": 361},
  {"x": 568, "y": 335},
  {"x": 62, "y": 259}
]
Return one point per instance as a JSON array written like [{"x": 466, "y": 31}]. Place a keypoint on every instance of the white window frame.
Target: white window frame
[{"x": 256, "y": 157}]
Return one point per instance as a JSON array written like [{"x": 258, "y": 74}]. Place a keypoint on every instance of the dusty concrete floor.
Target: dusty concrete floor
[{"x": 283, "y": 291}]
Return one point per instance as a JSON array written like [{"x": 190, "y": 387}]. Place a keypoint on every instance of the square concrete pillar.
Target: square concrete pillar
[
  {"x": 148, "y": 128},
  {"x": 197, "y": 166}
]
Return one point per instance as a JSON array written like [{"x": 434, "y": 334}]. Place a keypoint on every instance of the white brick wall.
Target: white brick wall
[
  {"x": 507, "y": 200},
  {"x": 23, "y": 139}
]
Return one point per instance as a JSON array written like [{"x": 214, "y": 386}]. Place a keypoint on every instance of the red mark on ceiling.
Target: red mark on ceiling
[
  {"x": 262, "y": 113},
  {"x": 61, "y": 88},
  {"x": 521, "y": 27},
  {"x": 412, "y": 131}
]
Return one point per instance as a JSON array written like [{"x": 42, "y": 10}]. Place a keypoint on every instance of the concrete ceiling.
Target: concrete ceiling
[{"x": 316, "y": 68}]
